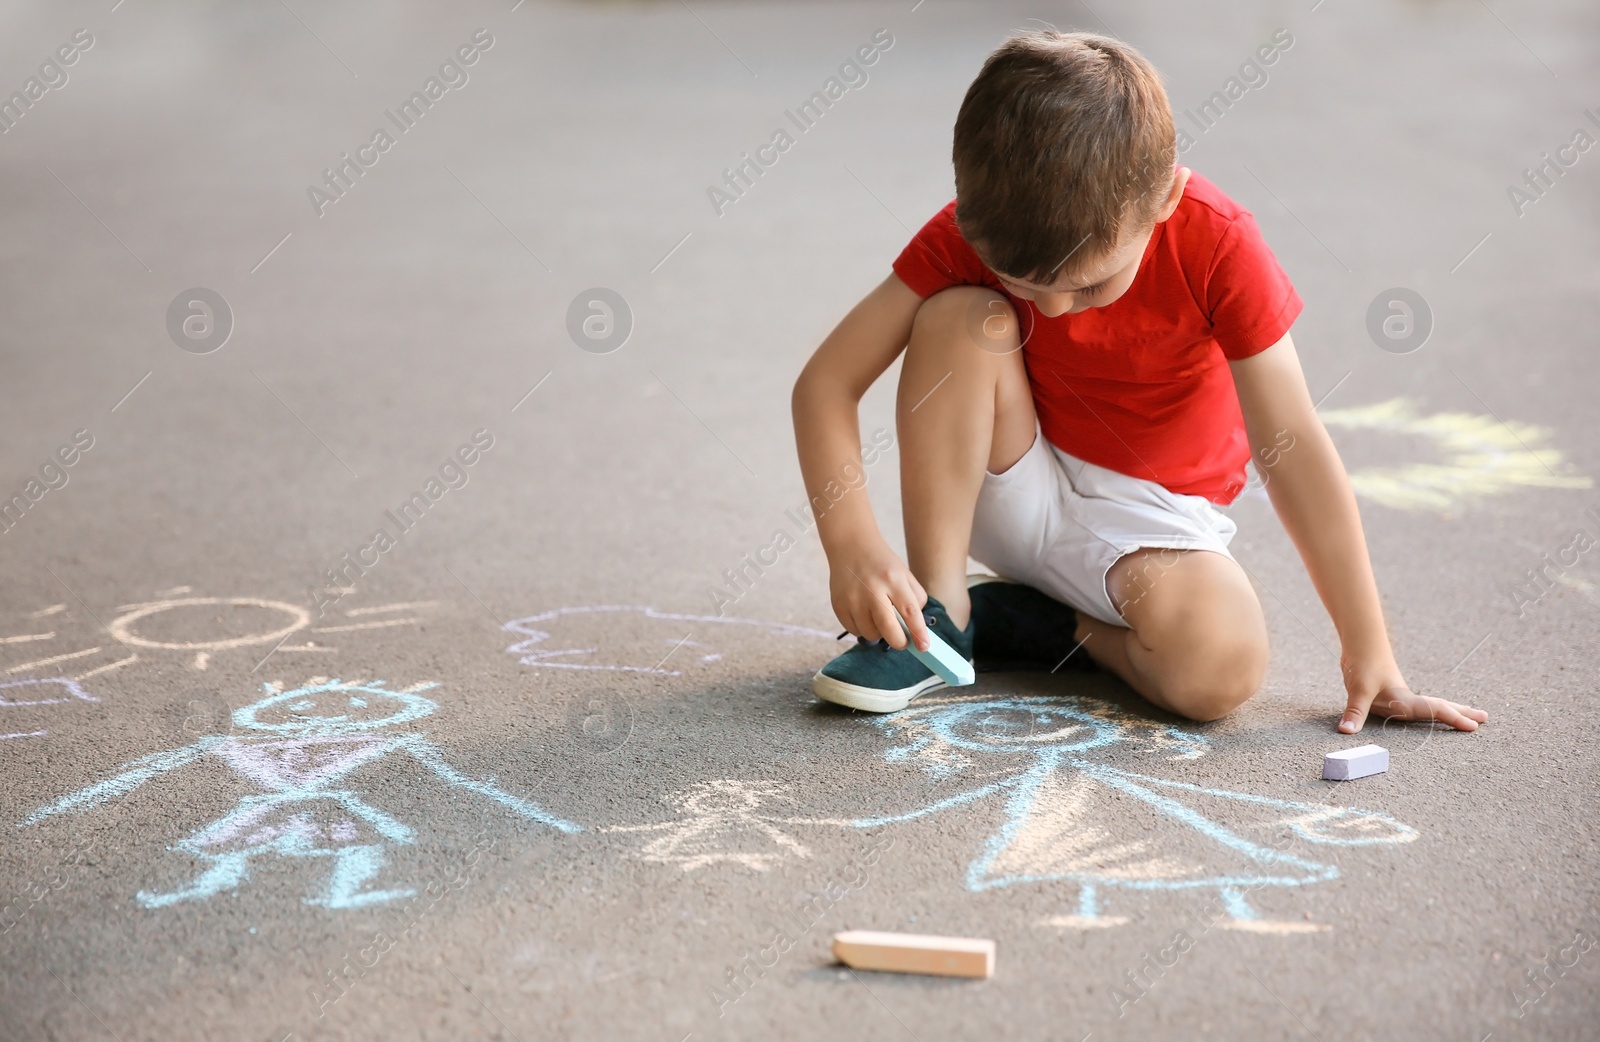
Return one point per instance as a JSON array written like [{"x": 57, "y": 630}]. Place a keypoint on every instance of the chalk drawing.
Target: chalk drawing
[
  {"x": 122, "y": 626},
  {"x": 1482, "y": 457},
  {"x": 356, "y": 613},
  {"x": 127, "y": 628},
  {"x": 108, "y": 667},
  {"x": 68, "y": 690},
  {"x": 307, "y": 741},
  {"x": 64, "y": 689},
  {"x": 376, "y": 625},
  {"x": 533, "y": 627},
  {"x": 720, "y": 825},
  {"x": 1068, "y": 816},
  {"x": 52, "y": 660}
]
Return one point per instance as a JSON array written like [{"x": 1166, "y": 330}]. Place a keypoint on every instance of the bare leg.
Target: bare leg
[
  {"x": 964, "y": 407},
  {"x": 1198, "y": 642}
]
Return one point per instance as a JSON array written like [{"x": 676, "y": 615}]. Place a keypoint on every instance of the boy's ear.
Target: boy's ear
[{"x": 1180, "y": 177}]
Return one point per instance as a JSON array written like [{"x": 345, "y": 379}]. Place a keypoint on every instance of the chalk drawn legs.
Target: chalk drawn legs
[
  {"x": 352, "y": 868},
  {"x": 227, "y": 871},
  {"x": 297, "y": 746},
  {"x": 1240, "y": 916},
  {"x": 1088, "y": 916}
]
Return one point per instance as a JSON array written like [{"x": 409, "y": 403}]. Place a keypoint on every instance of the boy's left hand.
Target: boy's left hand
[{"x": 1382, "y": 690}]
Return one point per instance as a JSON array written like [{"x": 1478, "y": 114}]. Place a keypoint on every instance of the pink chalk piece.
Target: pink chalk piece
[{"x": 1360, "y": 762}]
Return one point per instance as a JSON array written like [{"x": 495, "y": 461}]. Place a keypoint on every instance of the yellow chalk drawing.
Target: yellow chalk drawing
[
  {"x": 720, "y": 824},
  {"x": 1482, "y": 457}
]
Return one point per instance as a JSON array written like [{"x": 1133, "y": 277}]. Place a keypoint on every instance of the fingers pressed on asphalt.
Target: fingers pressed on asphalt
[
  {"x": 1410, "y": 707},
  {"x": 1450, "y": 713},
  {"x": 1354, "y": 716}
]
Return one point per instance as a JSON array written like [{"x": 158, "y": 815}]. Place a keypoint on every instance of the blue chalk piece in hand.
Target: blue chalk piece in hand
[{"x": 940, "y": 657}]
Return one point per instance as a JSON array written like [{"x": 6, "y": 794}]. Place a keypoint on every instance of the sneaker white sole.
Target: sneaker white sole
[{"x": 868, "y": 699}]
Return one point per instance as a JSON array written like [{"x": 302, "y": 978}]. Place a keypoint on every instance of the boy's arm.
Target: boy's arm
[
  {"x": 866, "y": 576},
  {"x": 1313, "y": 498}
]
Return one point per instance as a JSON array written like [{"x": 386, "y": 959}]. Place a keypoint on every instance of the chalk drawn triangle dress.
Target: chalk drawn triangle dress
[{"x": 1070, "y": 817}]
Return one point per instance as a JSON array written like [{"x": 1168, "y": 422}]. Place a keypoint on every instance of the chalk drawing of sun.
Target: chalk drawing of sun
[{"x": 1480, "y": 457}]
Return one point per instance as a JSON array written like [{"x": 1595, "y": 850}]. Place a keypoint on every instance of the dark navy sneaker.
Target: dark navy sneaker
[
  {"x": 1018, "y": 628},
  {"x": 876, "y": 678}
]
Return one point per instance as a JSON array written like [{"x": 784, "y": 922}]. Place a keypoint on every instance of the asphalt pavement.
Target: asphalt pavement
[{"x": 408, "y": 605}]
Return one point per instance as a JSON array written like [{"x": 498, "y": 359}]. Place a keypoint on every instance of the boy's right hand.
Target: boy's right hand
[{"x": 868, "y": 585}]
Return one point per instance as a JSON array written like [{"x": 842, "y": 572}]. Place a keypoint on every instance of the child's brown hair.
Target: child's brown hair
[{"x": 1064, "y": 142}]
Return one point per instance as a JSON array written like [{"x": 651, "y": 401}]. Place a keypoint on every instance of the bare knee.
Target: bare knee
[
  {"x": 1200, "y": 634},
  {"x": 967, "y": 316},
  {"x": 964, "y": 347},
  {"x": 1218, "y": 680}
]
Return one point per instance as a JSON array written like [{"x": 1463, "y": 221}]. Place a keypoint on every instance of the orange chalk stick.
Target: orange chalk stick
[{"x": 915, "y": 953}]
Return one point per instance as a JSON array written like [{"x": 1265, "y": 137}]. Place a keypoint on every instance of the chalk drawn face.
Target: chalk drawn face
[
  {"x": 1018, "y": 725},
  {"x": 342, "y": 708},
  {"x": 728, "y": 797},
  {"x": 947, "y": 734}
]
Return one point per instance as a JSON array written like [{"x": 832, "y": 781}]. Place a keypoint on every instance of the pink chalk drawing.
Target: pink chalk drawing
[
  {"x": 538, "y": 629},
  {"x": 69, "y": 689},
  {"x": 306, "y": 743}
]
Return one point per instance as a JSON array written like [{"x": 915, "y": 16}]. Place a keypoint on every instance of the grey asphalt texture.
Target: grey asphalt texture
[{"x": 713, "y": 803}]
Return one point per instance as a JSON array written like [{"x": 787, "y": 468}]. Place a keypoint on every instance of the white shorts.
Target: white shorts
[{"x": 1058, "y": 524}]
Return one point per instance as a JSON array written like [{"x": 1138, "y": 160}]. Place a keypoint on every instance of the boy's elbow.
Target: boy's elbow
[
  {"x": 800, "y": 396},
  {"x": 814, "y": 387}
]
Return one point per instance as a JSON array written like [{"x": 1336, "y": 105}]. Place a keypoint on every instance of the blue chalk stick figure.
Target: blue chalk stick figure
[
  {"x": 305, "y": 742},
  {"x": 1071, "y": 817}
]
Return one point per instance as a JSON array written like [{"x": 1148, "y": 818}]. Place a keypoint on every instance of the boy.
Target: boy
[{"x": 1097, "y": 340}]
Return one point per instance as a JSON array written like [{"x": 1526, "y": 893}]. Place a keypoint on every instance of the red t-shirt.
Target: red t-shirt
[{"x": 1142, "y": 386}]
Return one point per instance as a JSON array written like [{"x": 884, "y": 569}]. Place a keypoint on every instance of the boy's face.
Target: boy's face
[{"x": 1104, "y": 279}]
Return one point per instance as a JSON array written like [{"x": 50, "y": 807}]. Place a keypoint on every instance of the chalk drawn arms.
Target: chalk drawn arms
[
  {"x": 428, "y": 755},
  {"x": 134, "y": 774},
  {"x": 894, "y": 819}
]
